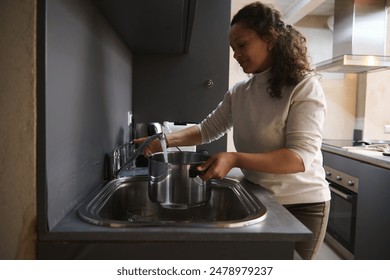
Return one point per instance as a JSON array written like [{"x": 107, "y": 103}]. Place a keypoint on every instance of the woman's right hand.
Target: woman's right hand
[{"x": 218, "y": 165}]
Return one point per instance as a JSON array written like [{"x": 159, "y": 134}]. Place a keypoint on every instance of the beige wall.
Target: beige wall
[
  {"x": 17, "y": 129},
  {"x": 377, "y": 106},
  {"x": 354, "y": 100},
  {"x": 339, "y": 89}
]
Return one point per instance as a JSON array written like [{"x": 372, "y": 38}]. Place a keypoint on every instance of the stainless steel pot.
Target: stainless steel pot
[{"x": 174, "y": 184}]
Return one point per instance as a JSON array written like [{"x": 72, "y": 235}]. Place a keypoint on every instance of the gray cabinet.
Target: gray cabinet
[
  {"x": 174, "y": 87},
  {"x": 372, "y": 219},
  {"x": 180, "y": 56},
  {"x": 151, "y": 26}
]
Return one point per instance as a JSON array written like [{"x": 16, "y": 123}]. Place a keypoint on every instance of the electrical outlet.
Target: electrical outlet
[{"x": 386, "y": 129}]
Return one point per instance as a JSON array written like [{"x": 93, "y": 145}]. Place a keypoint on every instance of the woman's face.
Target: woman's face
[{"x": 251, "y": 52}]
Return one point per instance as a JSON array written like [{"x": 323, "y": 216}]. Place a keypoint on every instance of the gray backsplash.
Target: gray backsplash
[{"x": 88, "y": 94}]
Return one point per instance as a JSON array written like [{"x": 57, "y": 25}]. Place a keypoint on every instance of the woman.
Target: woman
[{"x": 277, "y": 116}]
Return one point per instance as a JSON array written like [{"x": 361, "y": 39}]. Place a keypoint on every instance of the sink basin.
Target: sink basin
[{"x": 124, "y": 202}]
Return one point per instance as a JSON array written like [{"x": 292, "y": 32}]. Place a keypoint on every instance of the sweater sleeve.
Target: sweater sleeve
[
  {"x": 218, "y": 122},
  {"x": 306, "y": 119}
]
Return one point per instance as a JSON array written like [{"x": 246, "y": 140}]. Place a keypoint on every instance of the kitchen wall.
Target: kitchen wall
[
  {"x": 377, "y": 113},
  {"x": 17, "y": 129},
  {"x": 88, "y": 93},
  {"x": 355, "y": 101},
  {"x": 340, "y": 89}
]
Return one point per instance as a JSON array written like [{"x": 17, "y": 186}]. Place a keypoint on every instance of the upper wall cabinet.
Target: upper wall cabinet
[{"x": 151, "y": 26}]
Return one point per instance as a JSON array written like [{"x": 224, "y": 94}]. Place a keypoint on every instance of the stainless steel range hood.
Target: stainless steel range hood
[{"x": 359, "y": 37}]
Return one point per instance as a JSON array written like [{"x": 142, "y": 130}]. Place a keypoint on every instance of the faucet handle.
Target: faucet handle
[{"x": 114, "y": 160}]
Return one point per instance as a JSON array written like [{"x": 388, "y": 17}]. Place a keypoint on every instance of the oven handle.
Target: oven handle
[{"x": 340, "y": 193}]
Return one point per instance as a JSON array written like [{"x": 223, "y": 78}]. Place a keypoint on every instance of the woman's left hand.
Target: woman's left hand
[
  {"x": 153, "y": 147},
  {"x": 217, "y": 166}
]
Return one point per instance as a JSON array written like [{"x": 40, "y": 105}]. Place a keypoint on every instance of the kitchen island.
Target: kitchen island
[{"x": 272, "y": 238}]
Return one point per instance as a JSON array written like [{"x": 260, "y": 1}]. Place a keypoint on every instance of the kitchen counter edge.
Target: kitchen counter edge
[{"x": 380, "y": 162}]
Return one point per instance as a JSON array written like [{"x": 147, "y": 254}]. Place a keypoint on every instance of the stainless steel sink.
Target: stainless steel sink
[{"x": 124, "y": 202}]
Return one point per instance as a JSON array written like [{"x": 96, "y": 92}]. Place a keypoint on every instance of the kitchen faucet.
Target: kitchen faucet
[{"x": 161, "y": 136}]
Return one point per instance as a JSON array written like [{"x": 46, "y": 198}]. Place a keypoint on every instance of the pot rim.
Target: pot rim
[{"x": 150, "y": 157}]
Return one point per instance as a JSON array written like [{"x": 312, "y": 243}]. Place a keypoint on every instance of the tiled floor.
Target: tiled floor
[{"x": 326, "y": 253}]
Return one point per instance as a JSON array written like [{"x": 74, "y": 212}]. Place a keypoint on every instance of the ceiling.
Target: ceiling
[{"x": 293, "y": 10}]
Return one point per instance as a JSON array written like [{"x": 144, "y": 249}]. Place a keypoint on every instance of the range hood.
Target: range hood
[{"x": 359, "y": 37}]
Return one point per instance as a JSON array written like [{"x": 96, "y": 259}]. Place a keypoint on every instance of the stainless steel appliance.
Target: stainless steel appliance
[
  {"x": 342, "y": 216},
  {"x": 359, "y": 37}
]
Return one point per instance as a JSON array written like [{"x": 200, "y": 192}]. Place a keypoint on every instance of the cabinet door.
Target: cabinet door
[
  {"x": 151, "y": 26},
  {"x": 372, "y": 219},
  {"x": 174, "y": 87}
]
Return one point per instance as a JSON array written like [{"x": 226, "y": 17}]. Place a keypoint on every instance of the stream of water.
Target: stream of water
[{"x": 164, "y": 148}]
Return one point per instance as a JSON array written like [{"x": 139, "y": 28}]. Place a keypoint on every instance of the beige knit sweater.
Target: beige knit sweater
[{"x": 262, "y": 123}]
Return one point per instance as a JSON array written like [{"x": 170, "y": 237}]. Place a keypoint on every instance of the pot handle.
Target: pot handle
[{"x": 193, "y": 172}]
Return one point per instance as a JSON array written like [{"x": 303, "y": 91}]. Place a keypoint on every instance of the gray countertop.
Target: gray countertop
[
  {"x": 279, "y": 225},
  {"x": 367, "y": 156}
]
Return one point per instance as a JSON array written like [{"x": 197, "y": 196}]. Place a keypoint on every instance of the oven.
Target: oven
[{"x": 342, "y": 215}]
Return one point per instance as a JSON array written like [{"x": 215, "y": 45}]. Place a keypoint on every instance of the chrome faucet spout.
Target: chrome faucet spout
[{"x": 160, "y": 136}]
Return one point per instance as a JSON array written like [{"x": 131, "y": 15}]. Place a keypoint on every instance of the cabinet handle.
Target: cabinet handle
[{"x": 208, "y": 84}]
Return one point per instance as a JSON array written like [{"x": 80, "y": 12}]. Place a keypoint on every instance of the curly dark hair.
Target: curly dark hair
[{"x": 289, "y": 51}]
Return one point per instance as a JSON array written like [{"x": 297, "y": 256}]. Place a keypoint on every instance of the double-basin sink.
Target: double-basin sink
[{"x": 124, "y": 202}]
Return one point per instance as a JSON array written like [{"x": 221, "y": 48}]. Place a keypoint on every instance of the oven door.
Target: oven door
[{"x": 342, "y": 216}]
